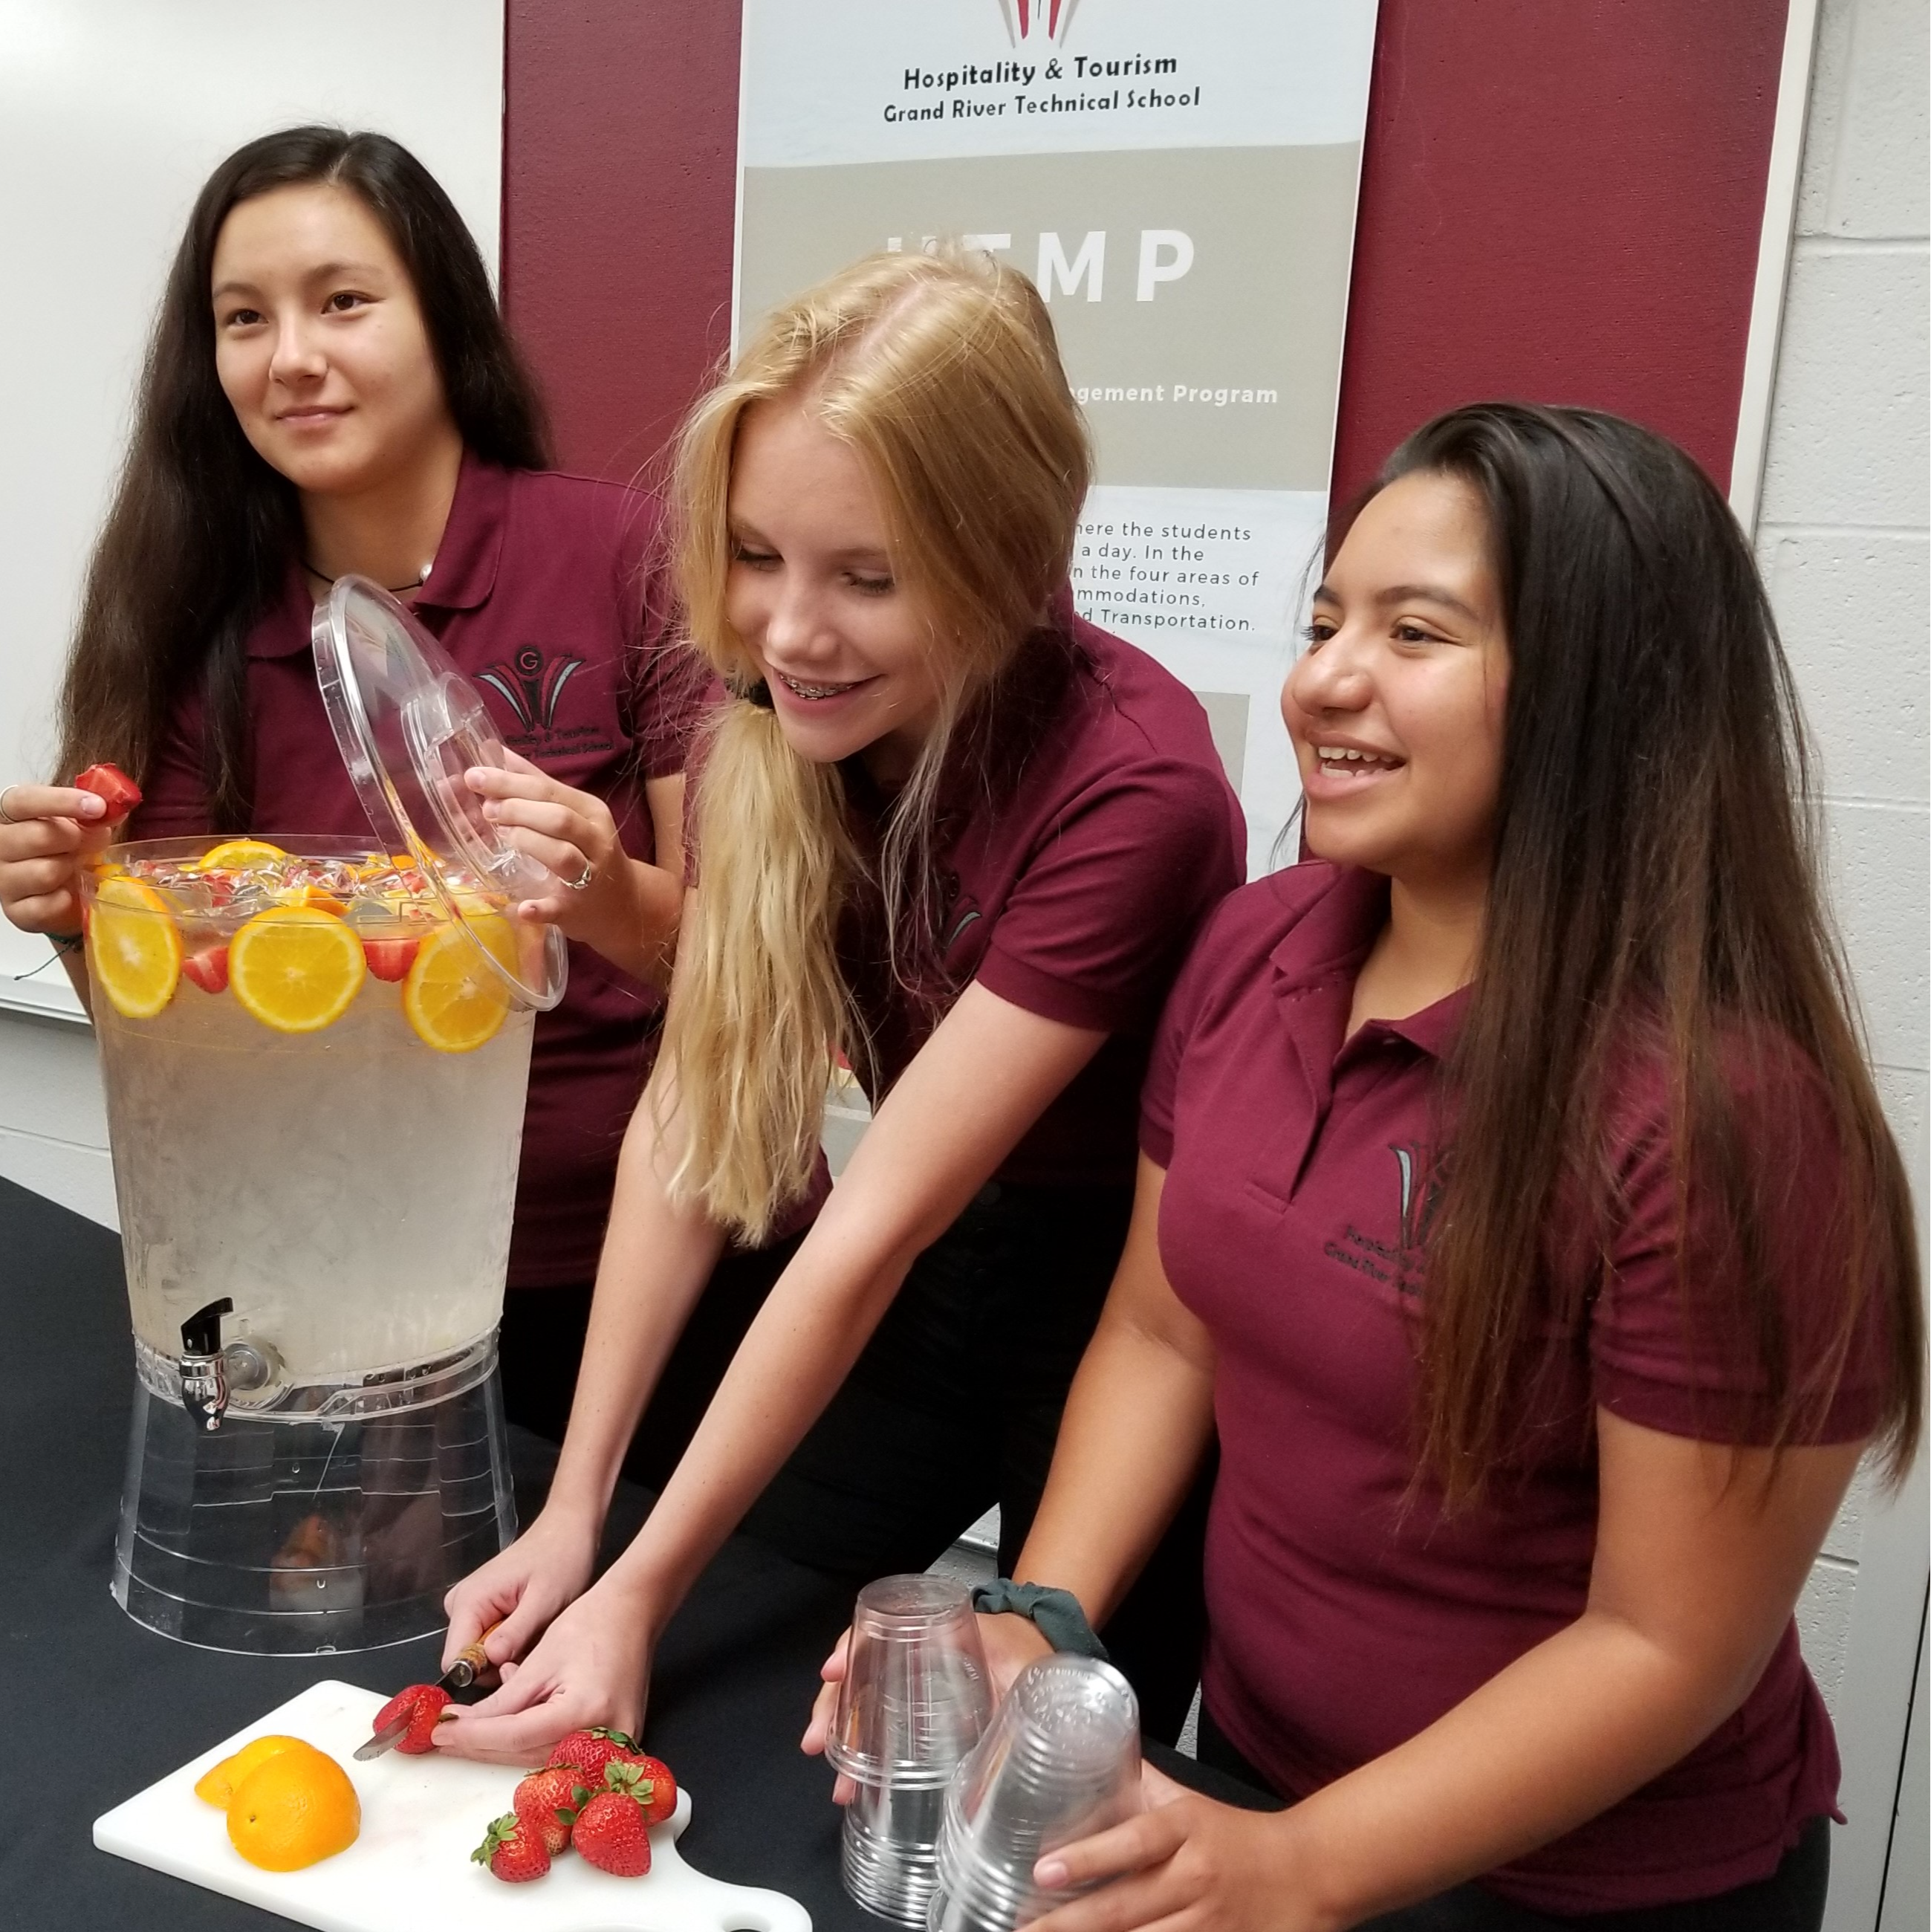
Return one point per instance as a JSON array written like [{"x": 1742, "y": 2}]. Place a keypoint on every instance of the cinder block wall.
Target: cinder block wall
[{"x": 1844, "y": 536}]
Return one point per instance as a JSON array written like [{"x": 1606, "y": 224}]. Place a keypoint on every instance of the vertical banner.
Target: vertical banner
[{"x": 1180, "y": 184}]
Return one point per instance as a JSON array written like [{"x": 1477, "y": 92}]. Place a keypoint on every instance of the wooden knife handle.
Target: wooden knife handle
[{"x": 471, "y": 1661}]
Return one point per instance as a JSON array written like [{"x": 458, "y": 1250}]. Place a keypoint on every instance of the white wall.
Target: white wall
[
  {"x": 112, "y": 114},
  {"x": 1844, "y": 535}
]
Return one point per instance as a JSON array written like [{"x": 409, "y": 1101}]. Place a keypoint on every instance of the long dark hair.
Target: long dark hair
[
  {"x": 196, "y": 545},
  {"x": 1654, "y": 897}
]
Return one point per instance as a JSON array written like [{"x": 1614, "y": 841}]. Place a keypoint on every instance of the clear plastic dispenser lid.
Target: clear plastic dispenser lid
[{"x": 409, "y": 724}]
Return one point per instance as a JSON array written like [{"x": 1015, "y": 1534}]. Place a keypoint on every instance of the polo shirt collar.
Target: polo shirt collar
[
  {"x": 1326, "y": 947},
  {"x": 1330, "y": 941},
  {"x": 465, "y": 570},
  {"x": 464, "y": 574},
  {"x": 991, "y": 745},
  {"x": 286, "y": 629},
  {"x": 1434, "y": 1029}
]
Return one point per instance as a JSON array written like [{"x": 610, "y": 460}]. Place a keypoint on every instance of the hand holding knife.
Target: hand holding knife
[{"x": 470, "y": 1662}]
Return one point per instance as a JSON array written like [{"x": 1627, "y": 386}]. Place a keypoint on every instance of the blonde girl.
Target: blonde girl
[{"x": 946, "y": 827}]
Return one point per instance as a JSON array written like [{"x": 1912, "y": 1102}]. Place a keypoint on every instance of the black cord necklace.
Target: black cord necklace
[{"x": 394, "y": 589}]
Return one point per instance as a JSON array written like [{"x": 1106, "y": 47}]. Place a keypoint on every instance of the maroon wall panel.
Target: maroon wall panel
[
  {"x": 619, "y": 186},
  {"x": 1561, "y": 199}
]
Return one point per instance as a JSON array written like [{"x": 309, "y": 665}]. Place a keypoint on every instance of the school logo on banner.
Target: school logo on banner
[{"x": 1025, "y": 17}]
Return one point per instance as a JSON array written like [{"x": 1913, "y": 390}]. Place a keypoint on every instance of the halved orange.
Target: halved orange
[
  {"x": 296, "y": 968},
  {"x": 294, "y": 1809},
  {"x": 134, "y": 947},
  {"x": 240, "y": 855},
  {"x": 217, "y": 1787},
  {"x": 452, "y": 998}
]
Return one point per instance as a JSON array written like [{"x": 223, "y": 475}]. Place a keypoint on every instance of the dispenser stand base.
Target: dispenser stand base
[{"x": 288, "y": 1538}]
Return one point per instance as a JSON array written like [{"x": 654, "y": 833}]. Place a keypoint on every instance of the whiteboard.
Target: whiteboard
[{"x": 113, "y": 113}]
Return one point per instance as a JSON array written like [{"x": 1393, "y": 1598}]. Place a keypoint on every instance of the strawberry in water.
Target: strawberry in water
[
  {"x": 113, "y": 787},
  {"x": 390, "y": 959},
  {"x": 589, "y": 1751},
  {"x": 208, "y": 968},
  {"x": 612, "y": 1831},
  {"x": 546, "y": 1802},
  {"x": 424, "y": 1705},
  {"x": 513, "y": 1852}
]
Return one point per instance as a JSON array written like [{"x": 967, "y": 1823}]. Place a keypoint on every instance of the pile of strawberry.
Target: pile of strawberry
[{"x": 598, "y": 1792}]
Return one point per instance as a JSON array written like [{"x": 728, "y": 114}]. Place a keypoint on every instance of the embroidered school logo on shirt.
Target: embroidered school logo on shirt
[
  {"x": 530, "y": 684},
  {"x": 1384, "y": 1261}
]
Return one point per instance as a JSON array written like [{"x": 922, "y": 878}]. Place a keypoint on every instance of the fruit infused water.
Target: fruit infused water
[{"x": 315, "y": 1085}]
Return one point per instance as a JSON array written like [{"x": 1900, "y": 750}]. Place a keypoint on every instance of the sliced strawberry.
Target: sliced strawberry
[
  {"x": 423, "y": 1704},
  {"x": 113, "y": 786},
  {"x": 208, "y": 968},
  {"x": 389, "y": 959},
  {"x": 513, "y": 1852}
]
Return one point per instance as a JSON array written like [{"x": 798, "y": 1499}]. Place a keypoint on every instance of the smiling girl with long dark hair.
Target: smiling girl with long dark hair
[
  {"x": 330, "y": 388},
  {"x": 1516, "y": 1198}
]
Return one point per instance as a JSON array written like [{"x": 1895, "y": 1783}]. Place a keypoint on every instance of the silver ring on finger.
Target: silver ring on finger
[
  {"x": 6, "y": 817},
  {"x": 582, "y": 880}
]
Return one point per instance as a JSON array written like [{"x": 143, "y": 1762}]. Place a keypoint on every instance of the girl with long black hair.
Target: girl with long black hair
[
  {"x": 330, "y": 388},
  {"x": 1514, "y": 1196}
]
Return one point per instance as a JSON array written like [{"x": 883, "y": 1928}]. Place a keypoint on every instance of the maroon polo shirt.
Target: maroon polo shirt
[
  {"x": 1345, "y": 1613},
  {"x": 1084, "y": 829},
  {"x": 547, "y": 592}
]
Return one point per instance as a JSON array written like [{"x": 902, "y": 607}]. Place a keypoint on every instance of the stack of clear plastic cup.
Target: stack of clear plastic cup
[
  {"x": 914, "y": 1699},
  {"x": 1059, "y": 1762}
]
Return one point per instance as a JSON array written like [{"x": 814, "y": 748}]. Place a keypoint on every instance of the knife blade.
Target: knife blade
[{"x": 469, "y": 1663}]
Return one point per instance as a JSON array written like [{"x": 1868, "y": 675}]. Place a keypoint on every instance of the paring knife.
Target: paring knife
[{"x": 469, "y": 1664}]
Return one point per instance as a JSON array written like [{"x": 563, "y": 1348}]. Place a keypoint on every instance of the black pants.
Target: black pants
[
  {"x": 541, "y": 1346},
  {"x": 1791, "y": 1900},
  {"x": 955, "y": 1406}
]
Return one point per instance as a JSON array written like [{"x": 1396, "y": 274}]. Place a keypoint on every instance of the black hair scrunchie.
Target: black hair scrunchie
[{"x": 1055, "y": 1614}]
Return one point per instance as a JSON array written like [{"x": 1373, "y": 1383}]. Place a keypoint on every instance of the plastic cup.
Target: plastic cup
[
  {"x": 1059, "y": 1762},
  {"x": 916, "y": 1698}
]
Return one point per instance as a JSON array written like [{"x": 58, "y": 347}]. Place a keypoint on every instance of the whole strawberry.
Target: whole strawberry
[
  {"x": 590, "y": 1751},
  {"x": 423, "y": 1704},
  {"x": 546, "y": 1802},
  {"x": 658, "y": 1789},
  {"x": 513, "y": 1852},
  {"x": 612, "y": 1831}
]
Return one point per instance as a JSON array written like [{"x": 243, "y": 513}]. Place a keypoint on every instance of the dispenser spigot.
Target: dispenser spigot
[{"x": 204, "y": 1374}]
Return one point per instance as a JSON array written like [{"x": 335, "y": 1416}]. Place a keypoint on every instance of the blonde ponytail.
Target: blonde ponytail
[
  {"x": 941, "y": 372},
  {"x": 752, "y": 1051}
]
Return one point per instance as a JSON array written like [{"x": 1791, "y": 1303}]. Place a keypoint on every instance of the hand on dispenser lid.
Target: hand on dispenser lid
[{"x": 623, "y": 907}]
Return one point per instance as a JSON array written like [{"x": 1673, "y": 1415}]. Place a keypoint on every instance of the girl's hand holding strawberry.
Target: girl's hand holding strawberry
[{"x": 45, "y": 831}]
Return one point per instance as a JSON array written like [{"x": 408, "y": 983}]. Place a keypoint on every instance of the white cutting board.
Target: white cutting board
[{"x": 410, "y": 1869}]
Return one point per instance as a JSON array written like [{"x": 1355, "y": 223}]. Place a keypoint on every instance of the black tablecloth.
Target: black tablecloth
[{"x": 93, "y": 1708}]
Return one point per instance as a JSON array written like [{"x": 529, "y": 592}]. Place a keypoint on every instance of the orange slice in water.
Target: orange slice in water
[
  {"x": 216, "y": 1787},
  {"x": 296, "y": 969},
  {"x": 294, "y": 1809},
  {"x": 453, "y": 999},
  {"x": 240, "y": 855},
  {"x": 321, "y": 898},
  {"x": 134, "y": 947}
]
